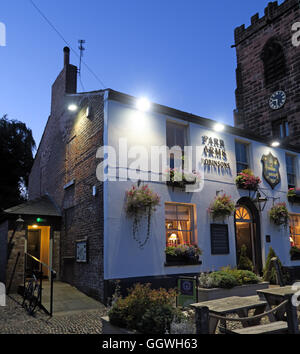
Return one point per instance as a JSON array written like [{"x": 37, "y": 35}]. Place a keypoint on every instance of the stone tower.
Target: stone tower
[{"x": 268, "y": 74}]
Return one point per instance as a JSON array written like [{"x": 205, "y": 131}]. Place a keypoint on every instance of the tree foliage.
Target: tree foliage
[{"x": 16, "y": 158}]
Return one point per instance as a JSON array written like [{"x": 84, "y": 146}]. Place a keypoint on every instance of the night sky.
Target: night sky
[{"x": 176, "y": 53}]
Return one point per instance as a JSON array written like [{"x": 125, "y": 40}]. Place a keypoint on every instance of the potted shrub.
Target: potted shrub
[
  {"x": 222, "y": 206},
  {"x": 247, "y": 180},
  {"x": 141, "y": 201},
  {"x": 178, "y": 178},
  {"x": 294, "y": 195},
  {"x": 279, "y": 214},
  {"x": 295, "y": 253},
  {"x": 182, "y": 254}
]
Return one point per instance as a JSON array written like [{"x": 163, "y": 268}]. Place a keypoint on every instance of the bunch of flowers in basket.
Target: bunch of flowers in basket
[
  {"x": 247, "y": 180},
  {"x": 222, "y": 206},
  {"x": 180, "y": 178},
  {"x": 188, "y": 251},
  {"x": 279, "y": 214},
  {"x": 141, "y": 201}
]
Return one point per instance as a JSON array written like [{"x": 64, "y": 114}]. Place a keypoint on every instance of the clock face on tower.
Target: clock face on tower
[{"x": 277, "y": 100}]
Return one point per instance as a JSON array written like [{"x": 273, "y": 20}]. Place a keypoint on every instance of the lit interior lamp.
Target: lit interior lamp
[
  {"x": 275, "y": 144},
  {"x": 291, "y": 240},
  {"x": 143, "y": 104},
  {"x": 72, "y": 107},
  {"x": 218, "y": 127},
  {"x": 173, "y": 239},
  {"x": 35, "y": 226}
]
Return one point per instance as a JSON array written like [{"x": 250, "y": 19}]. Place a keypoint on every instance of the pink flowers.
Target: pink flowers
[{"x": 246, "y": 180}]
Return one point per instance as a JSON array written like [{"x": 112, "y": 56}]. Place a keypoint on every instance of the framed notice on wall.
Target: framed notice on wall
[
  {"x": 81, "y": 251},
  {"x": 219, "y": 239}
]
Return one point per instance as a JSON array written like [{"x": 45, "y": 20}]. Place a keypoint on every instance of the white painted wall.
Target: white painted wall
[{"x": 123, "y": 258}]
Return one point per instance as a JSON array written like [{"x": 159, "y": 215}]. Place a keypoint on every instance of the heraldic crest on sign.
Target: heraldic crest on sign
[{"x": 271, "y": 169}]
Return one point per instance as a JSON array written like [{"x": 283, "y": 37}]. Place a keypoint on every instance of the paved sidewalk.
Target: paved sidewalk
[{"x": 74, "y": 313}]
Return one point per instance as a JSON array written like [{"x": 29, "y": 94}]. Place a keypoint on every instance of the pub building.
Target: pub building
[{"x": 78, "y": 226}]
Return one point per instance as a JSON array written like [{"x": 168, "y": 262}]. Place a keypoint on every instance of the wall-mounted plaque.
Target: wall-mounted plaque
[
  {"x": 81, "y": 251},
  {"x": 271, "y": 169},
  {"x": 219, "y": 239}
]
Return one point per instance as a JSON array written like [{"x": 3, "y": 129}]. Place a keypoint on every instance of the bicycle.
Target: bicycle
[{"x": 32, "y": 295}]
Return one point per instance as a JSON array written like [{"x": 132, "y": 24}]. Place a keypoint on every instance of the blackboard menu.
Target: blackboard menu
[{"x": 219, "y": 239}]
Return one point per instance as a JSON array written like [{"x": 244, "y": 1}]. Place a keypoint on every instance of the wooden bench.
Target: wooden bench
[{"x": 279, "y": 327}]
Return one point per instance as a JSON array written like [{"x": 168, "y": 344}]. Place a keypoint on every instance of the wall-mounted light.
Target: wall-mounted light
[
  {"x": 143, "y": 104},
  {"x": 218, "y": 127},
  {"x": 275, "y": 144},
  {"x": 19, "y": 223},
  {"x": 72, "y": 107}
]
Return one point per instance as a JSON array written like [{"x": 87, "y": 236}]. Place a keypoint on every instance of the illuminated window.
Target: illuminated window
[
  {"x": 180, "y": 225},
  {"x": 295, "y": 230},
  {"x": 242, "y": 215}
]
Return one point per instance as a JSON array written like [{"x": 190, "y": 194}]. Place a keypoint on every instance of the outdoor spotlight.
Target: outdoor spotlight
[
  {"x": 72, "y": 107},
  {"x": 275, "y": 144},
  {"x": 19, "y": 223},
  {"x": 143, "y": 104},
  {"x": 218, "y": 127}
]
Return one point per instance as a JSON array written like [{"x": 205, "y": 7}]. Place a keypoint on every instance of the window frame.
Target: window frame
[
  {"x": 294, "y": 174},
  {"x": 193, "y": 228},
  {"x": 185, "y": 127},
  {"x": 247, "y": 145},
  {"x": 290, "y": 234}
]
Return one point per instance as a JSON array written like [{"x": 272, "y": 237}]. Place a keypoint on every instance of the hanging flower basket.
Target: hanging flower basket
[
  {"x": 222, "y": 206},
  {"x": 247, "y": 180},
  {"x": 294, "y": 195},
  {"x": 183, "y": 254},
  {"x": 179, "y": 179},
  {"x": 279, "y": 214},
  {"x": 141, "y": 201}
]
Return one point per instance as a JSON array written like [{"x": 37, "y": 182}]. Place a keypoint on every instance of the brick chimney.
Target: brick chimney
[{"x": 66, "y": 82}]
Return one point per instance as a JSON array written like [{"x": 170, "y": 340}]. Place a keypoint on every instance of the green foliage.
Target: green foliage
[
  {"x": 269, "y": 272},
  {"x": 279, "y": 214},
  {"x": 227, "y": 278},
  {"x": 145, "y": 310},
  {"x": 16, "y": 159},
  {"x": 244, "y": 261},
  {"x": 222, "y": 206}
]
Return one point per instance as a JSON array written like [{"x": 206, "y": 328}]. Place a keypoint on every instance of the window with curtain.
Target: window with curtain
[
  {"x": 179, "y": 220},
  {"x": 295, "y": 230},
  {"x": 241, "y": 153},
  {"x": 176, "y": 136},
  {"x": 291, "y": 171}
]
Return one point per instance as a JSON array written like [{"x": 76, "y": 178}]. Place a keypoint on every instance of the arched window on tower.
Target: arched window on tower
[{"x": 274, "y": 61}]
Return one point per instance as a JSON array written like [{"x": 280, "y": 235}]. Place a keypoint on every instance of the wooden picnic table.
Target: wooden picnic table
[
  {"x": 275, "y": 296},
  {"x": 231, "y": 305}
]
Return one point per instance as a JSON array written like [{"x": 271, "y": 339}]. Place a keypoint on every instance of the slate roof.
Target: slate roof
[{"x": 41, "y": 206}]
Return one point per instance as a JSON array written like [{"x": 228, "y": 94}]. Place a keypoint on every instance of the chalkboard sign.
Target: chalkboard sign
[{"x": 219, "y": 239}]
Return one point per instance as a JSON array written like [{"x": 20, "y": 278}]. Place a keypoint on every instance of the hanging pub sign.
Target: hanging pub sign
[{"x": 271, "y": 169}]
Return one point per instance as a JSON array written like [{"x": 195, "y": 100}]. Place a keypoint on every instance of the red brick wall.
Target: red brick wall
[
  {"x": 68, "y": 151},
  {"x": 252, "y": 94}
]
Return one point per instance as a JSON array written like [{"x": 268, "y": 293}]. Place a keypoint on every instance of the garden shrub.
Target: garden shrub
[
  {"x": 269, "y": 272},
  {"x": 145, "y": 310},
  {"x": 244, "y": 261},
  {"x": 227, "y": 278}
]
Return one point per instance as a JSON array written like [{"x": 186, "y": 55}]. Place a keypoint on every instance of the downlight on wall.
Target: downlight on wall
[
  {"x": 72, "y": 107},
  {"x": 143, "y": 104},
  {"x": 218, "y": 127},
  {"x": 275, "y": 144}
]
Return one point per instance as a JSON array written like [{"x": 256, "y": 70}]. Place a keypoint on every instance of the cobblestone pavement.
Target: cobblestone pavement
[{"x": 15, "y": 320}]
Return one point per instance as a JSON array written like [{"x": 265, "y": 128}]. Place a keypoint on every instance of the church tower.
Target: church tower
[{"x": 268, "y": 74}]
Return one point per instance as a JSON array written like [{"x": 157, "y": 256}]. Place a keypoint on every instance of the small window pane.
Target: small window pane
[
  {"x": 295, "y": 230},
  {"x": 241, "y": 151}
]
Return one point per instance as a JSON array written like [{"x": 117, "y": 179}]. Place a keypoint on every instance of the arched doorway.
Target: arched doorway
[{"x": 247, "y": 230}]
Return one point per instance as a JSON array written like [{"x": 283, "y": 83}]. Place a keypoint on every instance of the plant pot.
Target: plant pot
[
  {"x": 181, "y": 260},
  {"x": 241, "y": 186},
  {"x": 294, "y": 199}
]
